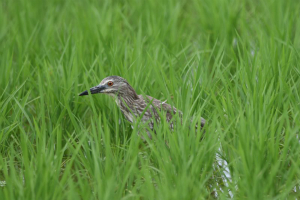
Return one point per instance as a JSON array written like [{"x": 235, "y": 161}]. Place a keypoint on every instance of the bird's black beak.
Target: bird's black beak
[{"x": 93, "y": 90}]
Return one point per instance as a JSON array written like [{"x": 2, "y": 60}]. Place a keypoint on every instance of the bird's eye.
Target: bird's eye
[{"x": 110, "y": 83}]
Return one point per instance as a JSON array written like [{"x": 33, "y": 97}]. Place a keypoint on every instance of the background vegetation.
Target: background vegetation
[{"x": 236, "y": 63}]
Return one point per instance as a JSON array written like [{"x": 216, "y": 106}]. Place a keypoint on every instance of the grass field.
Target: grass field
[{"x": 235, "y": 63}]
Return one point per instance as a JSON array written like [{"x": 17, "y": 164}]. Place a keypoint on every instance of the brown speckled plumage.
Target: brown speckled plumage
[{"x": 133, "y": 105}]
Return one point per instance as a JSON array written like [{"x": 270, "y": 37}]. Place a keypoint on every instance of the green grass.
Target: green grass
[{"x": 235, "y": 63}]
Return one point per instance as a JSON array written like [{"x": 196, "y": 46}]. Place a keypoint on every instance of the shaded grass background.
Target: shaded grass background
[{"x": 236, "y": 63}]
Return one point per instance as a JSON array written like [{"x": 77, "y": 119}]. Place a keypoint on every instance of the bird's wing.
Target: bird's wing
[
  {"x": 170, "y": 110},
  {"x": 202, "y": 123},
  {"x": 162, "y": 106}
]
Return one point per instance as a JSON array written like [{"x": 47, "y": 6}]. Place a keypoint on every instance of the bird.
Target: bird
[{"x": 133, "y": 105}]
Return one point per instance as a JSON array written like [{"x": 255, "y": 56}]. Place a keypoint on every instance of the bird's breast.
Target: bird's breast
[
  {"x": 128, "y": 116},
  {"x": 125, "y": 110}
]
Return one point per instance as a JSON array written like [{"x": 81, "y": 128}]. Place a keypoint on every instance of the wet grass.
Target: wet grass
[{"x": 235, "y": 63}]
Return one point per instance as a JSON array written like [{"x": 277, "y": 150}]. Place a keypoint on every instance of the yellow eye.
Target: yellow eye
[{"x": 110, "y": 83}]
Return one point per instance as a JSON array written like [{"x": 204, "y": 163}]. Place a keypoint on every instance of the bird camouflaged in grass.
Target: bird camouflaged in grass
[{"x": 133, "y": 105}]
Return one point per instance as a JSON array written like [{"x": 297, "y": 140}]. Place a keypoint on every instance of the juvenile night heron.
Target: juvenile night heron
[{"x": 133, "y": 105}]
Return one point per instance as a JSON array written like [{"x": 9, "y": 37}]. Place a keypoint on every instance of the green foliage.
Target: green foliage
[{"x": 235, "y": 63}]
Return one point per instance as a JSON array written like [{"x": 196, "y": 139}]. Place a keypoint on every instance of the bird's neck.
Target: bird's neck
[
  {"x": 126, "y": 103},
  {"x": 127, "y": 97},
  {"x": 128, "y": 93}
]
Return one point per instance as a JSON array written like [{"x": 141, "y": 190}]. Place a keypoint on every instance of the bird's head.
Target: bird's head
[{"x": 112, "y": 85}]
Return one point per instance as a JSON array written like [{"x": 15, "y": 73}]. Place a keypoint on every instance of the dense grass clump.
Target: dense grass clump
[{"x": 235, "y": 63}]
